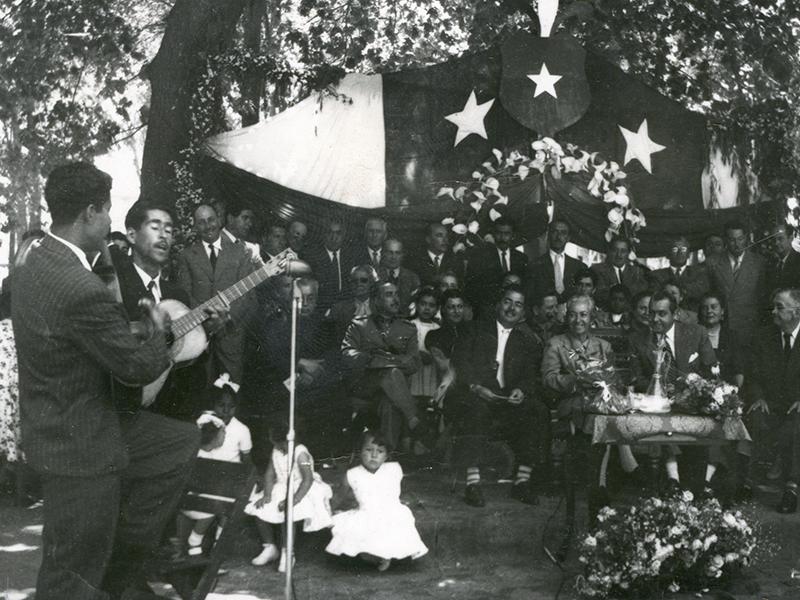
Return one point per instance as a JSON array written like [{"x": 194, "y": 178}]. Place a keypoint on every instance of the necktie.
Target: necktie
[
  {"x": 558, "y": 271},
  {"x": 506, "y": 268},
  {"x": 737, "y": 265},
  {"x": 151, "y": 290},
  {"x": 337, "y": 268},
  {"x": 436, "y": 262},
  {"x": 376, "y": 259},
  {"x": 212, "y": 256},
  {"x": 787, "y": 347},
  {"x": 618, "y": 271}
]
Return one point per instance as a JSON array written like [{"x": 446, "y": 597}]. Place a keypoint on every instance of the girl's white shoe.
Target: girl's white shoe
[
  {"x": 268, "y": 554},
  {"x": 282, "y": 564}
]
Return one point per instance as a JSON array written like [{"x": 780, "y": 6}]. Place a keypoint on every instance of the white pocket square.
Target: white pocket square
[{"x": 693, "y": 357}]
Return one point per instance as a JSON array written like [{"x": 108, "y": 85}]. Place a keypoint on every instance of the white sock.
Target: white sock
[
  {"x": 672, "y": 469},
  {"x": 473, "y": 475},
  {"x": 710, "y": 470},
  {"x": 195, "y": 539},
  {"x": 523, "y": 474},
  {"x": 627, "y": 459},
  {"x": 604, "y": 467}
]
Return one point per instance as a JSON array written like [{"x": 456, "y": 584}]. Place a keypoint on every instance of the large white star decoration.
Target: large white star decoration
[
  {"x": 470, "y": 119},
  {"x": 545, "y": 82},
  {"x": 640, "y": 146}
]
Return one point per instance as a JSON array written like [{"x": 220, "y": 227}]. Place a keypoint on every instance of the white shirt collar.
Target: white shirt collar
[
  {"x": 331, "y": 253},
  {"x": 216, "y": 243},
  {"x": 75, "y": 250},
  {"x": 670, "y": 337},
  {"x": 502, "y": 330},
  {"x": 434, "y": 256},
  {"x": 146, "y": 279},
  {"x": 793, "y": 335},
  {"x": 553, "y": 255}
]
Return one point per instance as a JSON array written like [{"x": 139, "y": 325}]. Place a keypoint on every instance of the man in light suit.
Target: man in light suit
[
  {"x": 691, "y": 278},
  {"x": 555, "y": 270},
  {"x": 437, "y": 258},
  {"x": 740, "y": 276},
  {"x": 487, "y": 265},
  {"x": 210, "y": 265},
  {"x": 393, "y": 271},
  {"x": 618, "y": 269},
  {"x": 110, "y": 480}
]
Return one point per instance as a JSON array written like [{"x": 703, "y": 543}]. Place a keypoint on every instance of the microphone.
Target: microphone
[{"x": 297, "y": 268}]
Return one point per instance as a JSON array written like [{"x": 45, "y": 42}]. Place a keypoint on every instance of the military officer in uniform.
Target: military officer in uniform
[{"x": 382, "y": 351}]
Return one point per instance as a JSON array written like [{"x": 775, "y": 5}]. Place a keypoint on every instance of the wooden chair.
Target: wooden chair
[{"x": 220, "y": 488}]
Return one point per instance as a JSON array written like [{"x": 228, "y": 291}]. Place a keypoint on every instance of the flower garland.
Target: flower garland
[
  {"x": 663, "y": 544},
  {"x": 483, "y": 198}
]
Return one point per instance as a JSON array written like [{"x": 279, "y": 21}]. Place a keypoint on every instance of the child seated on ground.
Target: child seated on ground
[
  {"x": 222, "y": 437},
  {"x": 381, "y": 528},
  {"x": 311, "y": 499}
]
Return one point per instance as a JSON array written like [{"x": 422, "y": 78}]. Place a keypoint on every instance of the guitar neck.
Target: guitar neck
[{"x": 197, "y": 315}]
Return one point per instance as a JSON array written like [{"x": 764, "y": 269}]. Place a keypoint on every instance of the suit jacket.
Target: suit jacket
[
  {"x": 633, "y": 277},
  {"x": 784, "y": 276},
  {"x": 772, "y": 379},
  {"x": 691, "y": 342},
  {"x": 72, "y": 336},
  {"x": 543, "y": 276},
  {"x": 325, "y": 274},
  {"x": 745, "y": 294},
  {"x": 407, "y": 285},
  {"x": 340, "y": 316},
  {"x": 423, "y": 266},
  {"x": 178, "y": 398},
  {"x": 362, "y": 256},
  {"x": 484, "y": 274},
  {"x": 474, "y": 359},
  {"x": 694, "y": 280},
  {"x": 201, "y": 282}
]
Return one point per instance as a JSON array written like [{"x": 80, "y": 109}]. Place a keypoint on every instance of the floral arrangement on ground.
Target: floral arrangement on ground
[
  {"x": 482, "y": 200},
  {"x": 660, "y": 545},
  {"x": 712, "y": 397}
]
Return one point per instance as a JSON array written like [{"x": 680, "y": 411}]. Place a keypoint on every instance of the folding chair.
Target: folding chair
[{"x": 222, "y": 489}]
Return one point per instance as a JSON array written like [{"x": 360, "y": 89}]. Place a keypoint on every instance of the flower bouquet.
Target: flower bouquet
[
  {"x": 663, "y": 545},
  {"x": 712, "y": 397},
  {"x": 599, "y": 384}
]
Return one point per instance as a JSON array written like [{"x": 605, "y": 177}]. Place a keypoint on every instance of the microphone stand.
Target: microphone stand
[{"x": 297, "y": 300}]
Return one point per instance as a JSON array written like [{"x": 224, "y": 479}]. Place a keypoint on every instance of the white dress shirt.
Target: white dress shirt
[
  {"x": 502, "y": 340},
  {"x": 217, "y": 247},
  {"x": 375, "y": 256},
  {"x": 792, "y": 336},
  {"x": 146, "y": 279},
  {"x": 75, "y": 250},
  {"x": 670, "y": 338},
  {"x": 436, "y": 259}
]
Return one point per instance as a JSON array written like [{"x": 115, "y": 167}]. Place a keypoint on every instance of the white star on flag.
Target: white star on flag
[
  {"x": 640, "y": 146},
  {"x": 545, "y": 82},
  {"x": 470, "y": 119}
]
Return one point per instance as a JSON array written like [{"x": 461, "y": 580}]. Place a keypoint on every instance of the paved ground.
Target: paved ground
[{"x": 494, "y": 552}]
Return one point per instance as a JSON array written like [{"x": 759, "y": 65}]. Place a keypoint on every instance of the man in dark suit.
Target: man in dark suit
[
  {"x": 618, "y": 269},
  {"x": 110, "y": 480},
  {"x": 370, "y": 252},
  {"x": 686, "y": 349},
  {"x": 393, "y": 271},
  {"x": 499, "y": 393},
  {"x": 691, "y": 278},
  {"x": 488, "y": 264},
  {"x": 784, "y": 272},
  {"x": 740, "y": 276},
  {"x": 774, "y": 413},
  {"x": 341, "y": 314},
  {"x": 331, "y": 264},
  {"x": 149, "y": 228},
  {"x": 555, "y": 270},
  {"x": 437, "y": 258},
  {"x": 210, "y": 265}
]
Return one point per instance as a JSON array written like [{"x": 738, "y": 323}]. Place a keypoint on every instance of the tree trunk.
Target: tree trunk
[
  {"x": 253, "y": 82},
  {"x": 195, "y": 30}
]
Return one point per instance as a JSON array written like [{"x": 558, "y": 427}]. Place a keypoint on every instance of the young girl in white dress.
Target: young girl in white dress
[
  {"x": 381, "y": 528},
  {"x": 311, "y": 497}
]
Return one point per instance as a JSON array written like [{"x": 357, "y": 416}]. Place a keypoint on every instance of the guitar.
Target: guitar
[{"x": 189, "y": 338}]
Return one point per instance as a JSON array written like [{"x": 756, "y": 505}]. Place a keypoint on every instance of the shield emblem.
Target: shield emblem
[{"x": 544, "y": 85}]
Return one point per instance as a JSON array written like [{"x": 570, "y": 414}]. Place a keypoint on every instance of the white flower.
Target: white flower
[
  {"x": 715, "y": 370},
  {"x": 696, "y": 544},
  {"x": 522, "y": 172},
  {"x": 693, "y": 357},
  {"x": 687, "y": 496},
  {"x": 622, "y": 200},
  {"x": 473, "y": 227},
  {"x": 731, "y": 557},
  {"x": 494, "y": 214},
  {"x": 459, "y": 229},
  {"x": 616, "y": 216},
  {"x": 791, "y": 203},
  {"x": 590, "y": 541},
  {"x": 492, "y": 183},
  {"x": 448, "y": 221},
  {"x": 712, "y": 539},
  {"x": 459, "y": 247},
  {"x": 445, "y": 191},
  {"x": 476, "y": 175},
  {"x": 729, "y": 519},
  {"x": 692, "y": 377},
  {"x": 538, "y": 145},
  {"x": 476, "y": 205},
  {"x": 572, "y": 164}
]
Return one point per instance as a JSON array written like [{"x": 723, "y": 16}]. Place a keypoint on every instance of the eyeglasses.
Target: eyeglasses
[{"x": 361, "y": 279}]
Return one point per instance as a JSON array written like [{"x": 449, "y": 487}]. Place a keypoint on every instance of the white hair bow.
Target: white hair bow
[
  {"x": 210, "y": 417},
  {"x": 225, "y": 379}
]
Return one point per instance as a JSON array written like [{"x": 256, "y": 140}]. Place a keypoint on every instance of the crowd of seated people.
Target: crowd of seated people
[{"x": 480, "y": 339}]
